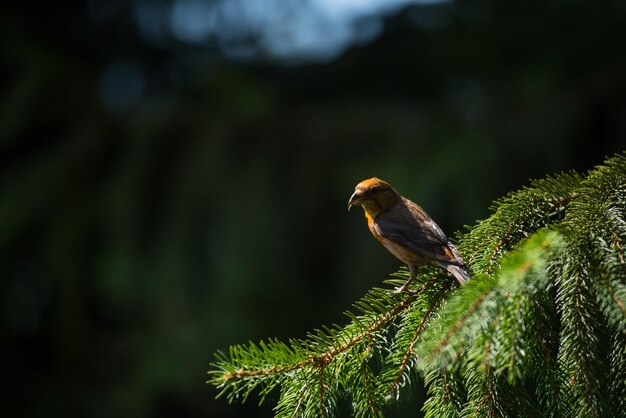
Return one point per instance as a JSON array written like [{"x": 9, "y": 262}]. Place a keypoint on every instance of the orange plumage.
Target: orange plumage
[{"x": 405, "y": 229}]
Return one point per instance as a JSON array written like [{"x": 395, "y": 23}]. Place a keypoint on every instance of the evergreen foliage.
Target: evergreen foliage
[{"x": 540, "y": 330}]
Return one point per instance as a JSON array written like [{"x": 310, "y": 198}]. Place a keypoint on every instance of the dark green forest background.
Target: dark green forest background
[{"x": 161, "y": 200}]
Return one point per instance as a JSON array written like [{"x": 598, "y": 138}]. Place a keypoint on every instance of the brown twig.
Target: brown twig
[
  {"x": 458, "y": 325},
  {"x": 418, "y": 331},
  {"x": 322, "y": 359}
]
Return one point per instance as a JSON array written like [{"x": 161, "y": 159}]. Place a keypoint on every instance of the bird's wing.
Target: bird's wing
[{"x": 408, "y": 225}]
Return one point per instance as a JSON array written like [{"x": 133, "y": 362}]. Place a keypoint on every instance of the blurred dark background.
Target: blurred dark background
[{"x": 175, "y": 174}]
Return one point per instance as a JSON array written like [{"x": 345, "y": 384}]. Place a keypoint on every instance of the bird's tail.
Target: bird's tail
[{"x": 459, "y": 272}]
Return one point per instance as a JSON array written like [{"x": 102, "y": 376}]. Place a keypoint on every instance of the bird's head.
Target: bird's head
[{"x": 375, "y": 196}]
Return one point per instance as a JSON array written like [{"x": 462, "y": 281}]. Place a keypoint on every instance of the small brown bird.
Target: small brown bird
[{"x": 406, "y": 230}]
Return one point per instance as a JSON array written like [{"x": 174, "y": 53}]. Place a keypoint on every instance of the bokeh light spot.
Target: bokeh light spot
[{"x": 290, "y": 30}]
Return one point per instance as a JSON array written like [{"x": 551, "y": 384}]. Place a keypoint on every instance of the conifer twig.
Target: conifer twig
[{"x": 418, "y": 331}]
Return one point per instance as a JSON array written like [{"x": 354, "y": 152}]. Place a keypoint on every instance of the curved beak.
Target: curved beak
[{"x": 354, "y": 200}]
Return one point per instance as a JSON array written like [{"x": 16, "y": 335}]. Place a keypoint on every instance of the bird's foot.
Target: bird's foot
[{"x": 403, "y": 289}]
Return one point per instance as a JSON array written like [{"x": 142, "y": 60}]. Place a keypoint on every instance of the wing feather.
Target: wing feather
[{"x": 408, "y": 224}]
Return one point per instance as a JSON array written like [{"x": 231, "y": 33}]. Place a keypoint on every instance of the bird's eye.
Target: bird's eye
[{"x": 375, "y": 190}]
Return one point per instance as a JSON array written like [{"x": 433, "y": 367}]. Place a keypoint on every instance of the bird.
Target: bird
[{"x": 406, "y": 230}]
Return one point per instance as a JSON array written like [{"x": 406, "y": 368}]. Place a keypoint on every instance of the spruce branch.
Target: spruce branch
[
  {"x": 273, "y": 363},
  {"x": 539, "y": 330},
  {"x": 409, "y": 352}
]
